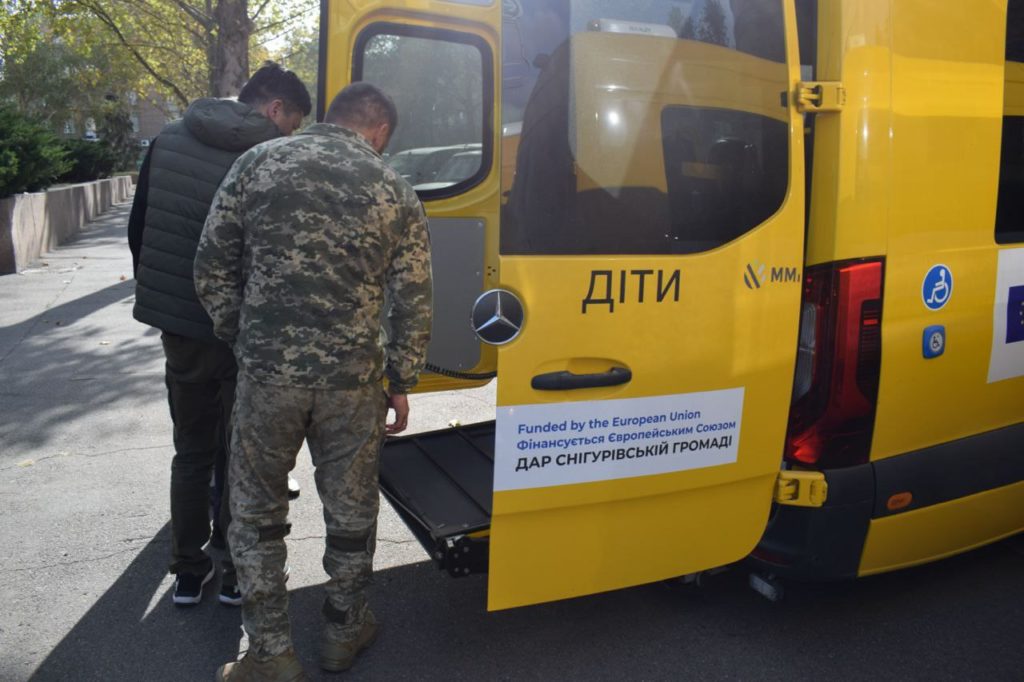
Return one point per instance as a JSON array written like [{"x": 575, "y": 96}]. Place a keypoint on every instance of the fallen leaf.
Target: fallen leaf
[
  {"x": 104, "y": 343},
  {"x": 26, "y": 463},
  {"x": 123, "y": 278}
]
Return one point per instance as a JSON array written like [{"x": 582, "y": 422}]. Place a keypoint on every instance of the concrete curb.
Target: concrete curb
[{"x": 32, "y": 224}]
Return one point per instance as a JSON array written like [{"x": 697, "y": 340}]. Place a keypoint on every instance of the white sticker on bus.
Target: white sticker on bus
[
  {"x": 537, "y": 446},
  {"x": 1007, "y": 360}
]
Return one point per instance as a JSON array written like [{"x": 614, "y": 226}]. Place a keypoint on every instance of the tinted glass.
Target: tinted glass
[
  {"x": 438, "y": 87},
  {"x": 641, "y": 127},
  {"x": 1010, "y": 207},
  {"x": 1010, "y": 210},
  {"x": 1015, "y": 31}
]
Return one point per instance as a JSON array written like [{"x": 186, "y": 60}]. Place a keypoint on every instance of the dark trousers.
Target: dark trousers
[{"x": 200, "y": 377}]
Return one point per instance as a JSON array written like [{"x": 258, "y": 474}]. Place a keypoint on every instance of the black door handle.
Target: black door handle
[{"x": 567, "y": 381}]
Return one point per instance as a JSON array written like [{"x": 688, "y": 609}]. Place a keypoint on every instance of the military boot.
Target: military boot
[
  {"x": 281, "y": 668},
  {"x": 341, "y": 644}
]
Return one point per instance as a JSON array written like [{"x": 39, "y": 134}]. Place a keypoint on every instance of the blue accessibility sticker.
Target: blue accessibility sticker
[
  {"x": 937, "y": 287},
  {"x": 934, "y": 342}
]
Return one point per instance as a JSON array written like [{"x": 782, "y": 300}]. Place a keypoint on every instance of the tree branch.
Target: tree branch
[
  {"x": 259, "y": 10},
  {"x": 109, "y": 21},
  {"x": 286, "y": 20},
  {"x": 203, "y": 19}
]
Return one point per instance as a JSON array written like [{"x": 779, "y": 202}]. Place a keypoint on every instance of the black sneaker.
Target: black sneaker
[
  {"x": 188, "y": 587},
  {"x": 294, "y": 490},
  {"x": 230, "y": 595}
]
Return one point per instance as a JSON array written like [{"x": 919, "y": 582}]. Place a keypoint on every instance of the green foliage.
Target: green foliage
[
  {"x": 90, "y": 160},
  {"x": 31, "y": 157},
  {"x": 8, "y": 169},
  {"x": 186, "y": 49},
  {"x": 58, "y": 72},
  {"x": 117, "y": 134}
]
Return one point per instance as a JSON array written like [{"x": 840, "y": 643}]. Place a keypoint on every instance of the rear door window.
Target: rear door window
[
  {"x": 653, "y": 127},
  {"x": 1010, "y": 206},
  {"x": 441, "y": 83}
]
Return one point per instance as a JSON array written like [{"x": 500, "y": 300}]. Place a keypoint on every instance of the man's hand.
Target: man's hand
[{"x": 400, "y": 404}]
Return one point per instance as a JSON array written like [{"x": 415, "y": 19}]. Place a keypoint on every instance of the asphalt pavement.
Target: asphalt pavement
[{"x": 85, "y": 450}]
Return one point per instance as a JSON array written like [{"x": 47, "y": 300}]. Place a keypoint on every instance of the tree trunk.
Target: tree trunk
[{"x": 229, "y": 58}]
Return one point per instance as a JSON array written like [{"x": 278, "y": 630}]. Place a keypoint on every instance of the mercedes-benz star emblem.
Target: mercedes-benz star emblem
[{"x": 497, "y": 317}]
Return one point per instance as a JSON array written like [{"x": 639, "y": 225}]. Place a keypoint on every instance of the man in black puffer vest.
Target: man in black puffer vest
[{"x": 177, "y": 182}]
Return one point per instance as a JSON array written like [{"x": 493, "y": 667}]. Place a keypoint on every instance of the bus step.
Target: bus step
[{"x": 441, "y": 483}]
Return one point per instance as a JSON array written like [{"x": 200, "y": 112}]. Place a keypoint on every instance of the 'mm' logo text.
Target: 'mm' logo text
[{"x": 758, "y": 275}]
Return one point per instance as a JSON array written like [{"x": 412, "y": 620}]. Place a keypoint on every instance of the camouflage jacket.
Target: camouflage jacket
[{"x": 305, "y": 236}]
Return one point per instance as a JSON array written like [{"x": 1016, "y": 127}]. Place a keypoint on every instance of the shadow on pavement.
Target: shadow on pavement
[
  {"x": 67, "y": 361},
  {"x": 118, "y": 640},
  {"x": 71, "y": 312},
  {"x": 927, "y": 623},
  {"x": 60, "y": 374}
]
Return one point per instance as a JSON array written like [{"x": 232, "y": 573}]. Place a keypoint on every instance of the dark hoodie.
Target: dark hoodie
[{"x": 177, "y": 182}]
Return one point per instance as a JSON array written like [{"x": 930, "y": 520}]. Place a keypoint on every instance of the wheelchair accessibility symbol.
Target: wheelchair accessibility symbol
[{"x": 937, "y": 287}]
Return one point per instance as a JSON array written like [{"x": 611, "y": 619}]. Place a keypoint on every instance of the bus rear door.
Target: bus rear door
[{"x": 651, "y": 250}]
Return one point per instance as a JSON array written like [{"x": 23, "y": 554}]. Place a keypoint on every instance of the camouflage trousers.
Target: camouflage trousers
[{"x": 344, "y": 429}]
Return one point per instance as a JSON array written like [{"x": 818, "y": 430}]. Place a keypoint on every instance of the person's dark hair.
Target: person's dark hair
[
  {"x": 272, "y": 81},
  {"x": 362, "y": 105}
]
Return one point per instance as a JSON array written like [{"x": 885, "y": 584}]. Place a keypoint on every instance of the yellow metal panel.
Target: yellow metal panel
[
  {"x": 849, "y": 213},
  {"x": 941, "y": 530},
  {"x": 947, "y": 107},
  {"x": 578, "y": 550}
]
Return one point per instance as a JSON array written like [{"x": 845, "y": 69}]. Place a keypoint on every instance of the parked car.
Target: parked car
[
  {"x": 422, "y": 164},
  {"x": 462, "y": 166}
]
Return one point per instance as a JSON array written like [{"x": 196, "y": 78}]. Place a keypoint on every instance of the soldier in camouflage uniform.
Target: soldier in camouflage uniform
[{"x": 306, "y": 236}]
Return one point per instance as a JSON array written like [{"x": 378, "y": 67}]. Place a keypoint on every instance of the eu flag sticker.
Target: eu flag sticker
[
  {"x": 1015, "y": 315},
  {"x": 1007, "y": 358}
]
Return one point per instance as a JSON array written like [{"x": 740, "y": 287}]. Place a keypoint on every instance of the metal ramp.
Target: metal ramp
[{"x": 441, "y": 484}]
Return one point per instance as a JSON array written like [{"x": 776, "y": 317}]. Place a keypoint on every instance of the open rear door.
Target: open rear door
[
  {"x": 439, "y": 61},
  {"x": 652, "y": 240}
]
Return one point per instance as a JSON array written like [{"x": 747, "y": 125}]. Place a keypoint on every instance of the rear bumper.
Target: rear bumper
[
  {"x": 828, "y": 542},
  {"x": 821, "y": 543}
]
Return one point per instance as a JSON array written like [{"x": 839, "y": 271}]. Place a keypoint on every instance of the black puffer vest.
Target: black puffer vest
[{"x": 188, "y": 161}]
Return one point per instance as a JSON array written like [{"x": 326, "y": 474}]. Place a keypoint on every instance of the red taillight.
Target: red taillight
[{"x": 838, "y": 363}]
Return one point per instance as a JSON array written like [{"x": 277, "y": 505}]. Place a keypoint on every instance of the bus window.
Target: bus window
[
  {"x": 439, "y": 80},
  {"x": 1010, "y": 207},
  {"x": 643, "y": 128}
]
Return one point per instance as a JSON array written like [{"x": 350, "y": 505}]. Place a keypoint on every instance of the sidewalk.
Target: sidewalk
[{"x": 85, "y": 451}]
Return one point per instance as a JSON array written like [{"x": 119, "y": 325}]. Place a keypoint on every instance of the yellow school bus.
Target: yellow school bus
[{"x": 750, "y": 274}]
